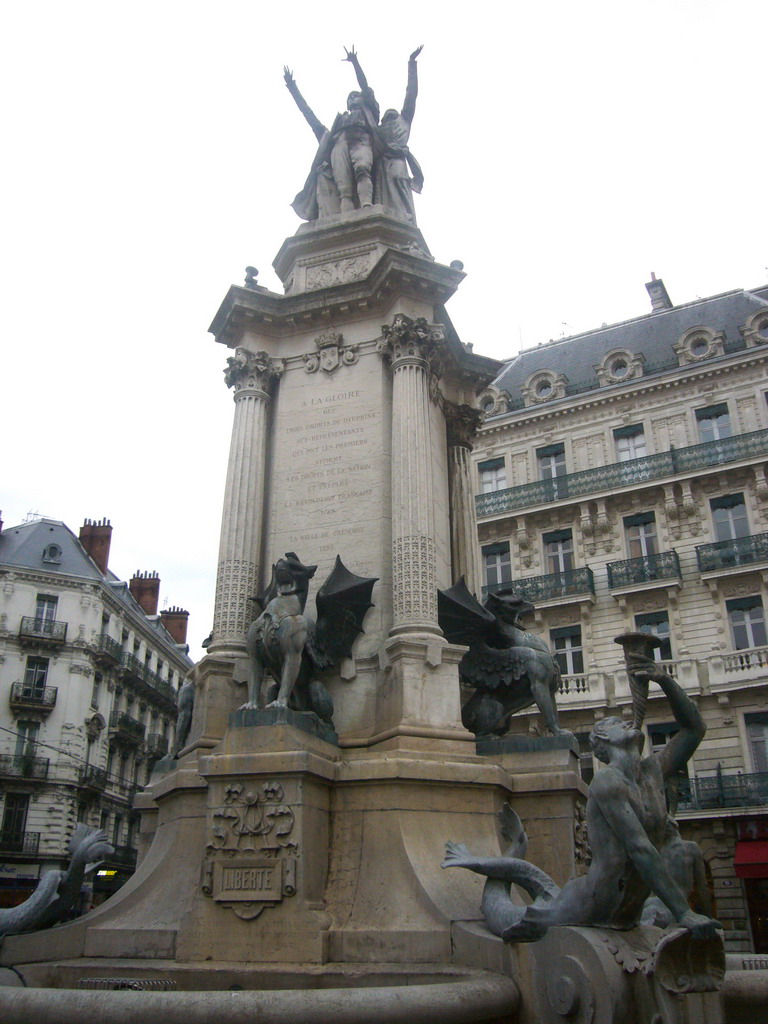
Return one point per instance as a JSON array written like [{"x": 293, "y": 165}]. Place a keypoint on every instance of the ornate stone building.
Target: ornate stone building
[
  {"x": 89, "y": 673},
  {"x": 621, "y": 485}
]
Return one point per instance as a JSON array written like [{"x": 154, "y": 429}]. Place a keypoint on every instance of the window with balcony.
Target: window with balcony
[
  {"x": 26, "y": 738},
  {"x": 747, "y": 621},
  {"x": 640, "y": 531},
  {"x": 729, "y": 516},
  {"x": 714, "y": 422},
  {"x": 14, "y": 821},
  {"x": 757, "y": 731},
  {"x": 497, "y": 564},
  {"x": 558, "y": 551},
  {"x": 551, "y": 461},
  {"x": 45, "y": 609},
  {"x": 569, "y": 653},
  {"x": 630, "y": 443},
  {"x": 656, "y": 623},
  {"x": 35, "y": 677},
  {"x": 493, "y": 475}
]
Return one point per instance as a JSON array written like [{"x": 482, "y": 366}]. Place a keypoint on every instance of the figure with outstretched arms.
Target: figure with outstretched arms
[
  {"x": 397, "y": 174},
  {"x": 626, "y": 818},
  {"x": 344, "y": 156}
]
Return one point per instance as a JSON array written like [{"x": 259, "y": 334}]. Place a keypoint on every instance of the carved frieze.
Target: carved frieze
[
  {"x": 337, "y": 271},
  {"x": 251, "y": 853}
]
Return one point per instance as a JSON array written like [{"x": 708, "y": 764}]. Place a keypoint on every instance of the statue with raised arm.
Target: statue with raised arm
[
  {"x": 341, "y": 177},
  {"x": 397, "y": 174},
  {"x": 626, "y": 819}
]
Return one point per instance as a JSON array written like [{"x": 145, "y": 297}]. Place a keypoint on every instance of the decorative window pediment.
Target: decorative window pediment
[
  {"x": 619, "y": 365},
  {"x": 544, "y": 386},
  {"x": 755, "y": 330},
  {"x": 699, "y": 343}
]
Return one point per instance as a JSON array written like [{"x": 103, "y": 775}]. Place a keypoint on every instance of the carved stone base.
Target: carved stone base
[
  {"x": 245, "y": 718},
  {"x": 525, "y": 744}
]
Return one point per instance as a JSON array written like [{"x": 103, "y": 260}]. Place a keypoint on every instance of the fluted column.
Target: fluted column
[
  {"x": 462, "y": 421},
  {"x": 410, "y": 347},
  {"x": 237, "y": 577}
]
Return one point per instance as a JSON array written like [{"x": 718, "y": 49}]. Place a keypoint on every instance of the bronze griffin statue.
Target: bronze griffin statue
[
  {"x": 509, "y": 668},
  {"x": 286, "y": 645}
]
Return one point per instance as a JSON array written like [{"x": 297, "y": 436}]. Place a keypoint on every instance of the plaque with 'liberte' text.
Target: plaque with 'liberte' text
[{"x": 247, "y": 880}]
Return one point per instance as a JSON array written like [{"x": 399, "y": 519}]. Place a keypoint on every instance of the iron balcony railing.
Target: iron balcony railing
[
  {"x": 140, "y": 673},
  {"x": 42, "y": 630},
  {"x": 108, "y": 649},
  {"x": 19, "y": 842},
  {"x": 625, "y": 474},
  {"x": 122, "y": 723},
  {"x": 95, "y": 778},
  {"x": 23, "y": 766},
  {"x": 572, "y": 582},
  {"x": 157, "y": 744},
  {"x": 662, "y": 566},
  {"x": 723, "y": 790},
  {"x": 727, "y": 554},
  {"x": 29, "y": 695}
]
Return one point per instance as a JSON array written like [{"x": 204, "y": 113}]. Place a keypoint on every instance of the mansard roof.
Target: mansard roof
[{"x": 651, "y": 336}]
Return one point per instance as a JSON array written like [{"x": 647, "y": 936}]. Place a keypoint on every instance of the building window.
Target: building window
[
  {"x": 26, "y": 738},
  {"x": 640, "y": 531},
  {"x": 493, "y": 475},
  {"x": 52, "y": 553},
  {"x": 729, "y": 515},
  {"x": 97, "y": 678},
  {"x": 498, "y": 568},
  {"x": 35, "y": 676},
  {"x": 747, "y": 620},
  {"x": 656, "y": 623},
  {"x": 551, "y": 461},
  {"x": 630, "y": 443},
  {"x": 757, "y": 731},
  {"x": 117, "y": 829},
  {"x": 586, "y": 761},
  {"x": 15, "y": 821},
  {"x": 714, "y": 422},
  {"x": 660, "y": 733},
  {"x": 558, "y": 551},
  {"x": 569, "y": 653},
  {"x": 45, "y": 610},
  {"x": 104, "y": 821}
]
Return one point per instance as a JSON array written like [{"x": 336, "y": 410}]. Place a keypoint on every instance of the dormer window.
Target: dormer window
[
  {"x": 755, "y": 331},
  {"x": 52, "y": 553},
  {"x": 493, "y": 401},
  {"x": 544, "y": 386},
  {"x": 619, "y": 365},
  {"x": 699, "y": 343}
]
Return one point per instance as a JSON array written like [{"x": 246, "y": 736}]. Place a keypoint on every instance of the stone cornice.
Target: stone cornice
[
  {"x": 690, "y": 374},
  {"x": 396, "y": 273}
]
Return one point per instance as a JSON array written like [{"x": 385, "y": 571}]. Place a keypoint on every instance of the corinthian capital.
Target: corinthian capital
[
  {"x": 255, "y": 370},
  {"x": 462, "y": 422},
  {"x": 406, "y": 339}
]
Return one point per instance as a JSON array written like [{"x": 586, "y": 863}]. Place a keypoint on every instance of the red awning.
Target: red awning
[{"x": 751, "y": 858}]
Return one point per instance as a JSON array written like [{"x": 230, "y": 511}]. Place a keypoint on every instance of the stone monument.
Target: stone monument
[{"x": 295, "y": 845}]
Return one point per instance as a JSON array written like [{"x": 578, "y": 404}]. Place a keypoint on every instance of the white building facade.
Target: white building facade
[
  {"x": 621, "y": 485},
  {"x": 89, "y": 674}
]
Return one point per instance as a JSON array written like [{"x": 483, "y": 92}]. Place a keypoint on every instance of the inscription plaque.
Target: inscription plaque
[{"x": 248, "y": 881}]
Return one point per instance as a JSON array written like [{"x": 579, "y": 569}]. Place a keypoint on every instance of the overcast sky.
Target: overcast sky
[{"x": 152, "y": 151}]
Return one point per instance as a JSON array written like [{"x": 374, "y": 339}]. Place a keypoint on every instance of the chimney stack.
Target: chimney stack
[
  {"x": 96, "y": 538},
  {"x": 145, "y": 590},
  {"x": 175, "y": 621},
  {"x": 659, "y": 298}
]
